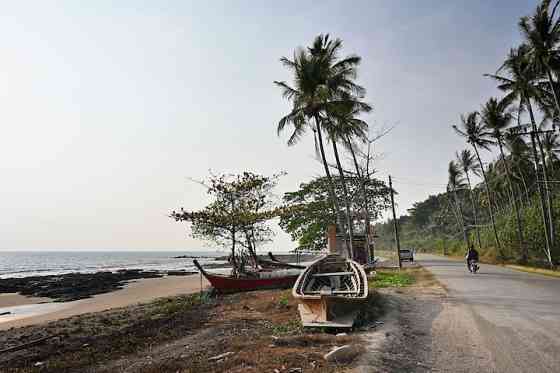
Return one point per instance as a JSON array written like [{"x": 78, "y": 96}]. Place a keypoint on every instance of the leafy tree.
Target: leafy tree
[
  {"x": 307, "y": 212},
  {"x": 236, "y": 218}
]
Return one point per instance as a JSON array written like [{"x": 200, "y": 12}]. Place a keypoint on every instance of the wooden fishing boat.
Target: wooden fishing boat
[
  {"x": 330, "y": 292},
  {"x": 264, "y": 279},
  {"x": 274, "y": 262}
]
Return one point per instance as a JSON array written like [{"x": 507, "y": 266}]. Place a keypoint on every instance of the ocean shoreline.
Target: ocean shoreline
[{"x": 26, "y": 311}]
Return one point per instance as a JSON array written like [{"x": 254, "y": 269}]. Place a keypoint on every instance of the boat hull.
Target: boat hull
[
  {"x": 330, "y": 307},
  {"x": 227, "y": 284}
]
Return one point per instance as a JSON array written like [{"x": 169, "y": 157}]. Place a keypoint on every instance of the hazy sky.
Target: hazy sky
[{"x": 106, "y": 109}]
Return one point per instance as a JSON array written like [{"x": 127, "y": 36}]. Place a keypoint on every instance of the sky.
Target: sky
[{"x": 108, "y": 108}]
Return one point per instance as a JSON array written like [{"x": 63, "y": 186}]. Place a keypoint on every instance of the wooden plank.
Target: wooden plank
[{"x": 332, "y": 274}]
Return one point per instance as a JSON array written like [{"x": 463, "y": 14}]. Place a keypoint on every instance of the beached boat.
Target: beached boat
[
  {"x": 330, "y": 292},
  {"x": 274, "y": 262},
  {"x": 264, "y": 279}
]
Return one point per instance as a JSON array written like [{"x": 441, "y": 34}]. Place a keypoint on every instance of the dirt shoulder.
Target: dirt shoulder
[
  {"x": 403, "y": 340},
  {"x": 257, "y": 332}
]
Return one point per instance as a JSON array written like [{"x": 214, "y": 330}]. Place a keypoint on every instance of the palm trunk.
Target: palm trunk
[
  {"x": 522, "y": 176},
  {"x": 522, "y": 247},
  {"x": 539, "y": 186},
  {"x": 475, "y": 215},
  {"x": 453, "y": 209},
  {"x": 490, "y": 204},
  {"x": 331, "y": 189},
  {"x": 365, "y": 206},
  {"x": 349, "y": 220},
  {"x": 462, "y": 219},
  {"x": 548, "y": 196}
]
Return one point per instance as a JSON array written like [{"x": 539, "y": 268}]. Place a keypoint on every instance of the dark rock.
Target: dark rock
[{"x": 73, "y": 286}]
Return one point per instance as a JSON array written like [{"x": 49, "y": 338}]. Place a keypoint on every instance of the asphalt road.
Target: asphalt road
[{"x": 498, "y": 320}]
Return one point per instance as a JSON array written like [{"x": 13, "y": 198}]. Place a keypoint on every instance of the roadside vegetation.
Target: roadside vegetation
[{"x": 507, "y": 208}]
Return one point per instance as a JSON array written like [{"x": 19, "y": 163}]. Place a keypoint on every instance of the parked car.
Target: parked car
[{"x": 407, "y": 254}]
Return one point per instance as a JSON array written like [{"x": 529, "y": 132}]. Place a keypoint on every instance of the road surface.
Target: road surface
[{"x": 498, "y": 320}]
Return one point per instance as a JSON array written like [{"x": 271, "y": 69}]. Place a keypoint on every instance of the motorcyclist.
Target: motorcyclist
[{"x": 472, "y": 255}]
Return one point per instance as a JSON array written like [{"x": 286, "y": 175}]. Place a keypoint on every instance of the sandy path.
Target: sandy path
[{"x": 26, "y": 311}]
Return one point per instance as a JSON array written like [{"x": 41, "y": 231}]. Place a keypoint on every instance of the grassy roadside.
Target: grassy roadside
[
  {"x": 413, "y": 276},
  {"x": 528, "y": 269}
]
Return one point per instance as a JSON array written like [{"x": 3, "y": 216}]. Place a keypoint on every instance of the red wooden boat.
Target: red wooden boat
[{"x": 265, "y": 280}]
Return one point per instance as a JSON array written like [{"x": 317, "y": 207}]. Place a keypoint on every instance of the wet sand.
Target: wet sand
[
  {"x": 30, "y": 311},
  {"x": 14, "y": 299}
]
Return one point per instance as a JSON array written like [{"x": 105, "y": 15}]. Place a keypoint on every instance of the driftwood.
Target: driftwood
[{"x": 28, "y": 344}]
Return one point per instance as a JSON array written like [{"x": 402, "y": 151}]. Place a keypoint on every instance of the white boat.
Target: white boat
[{"x": 330, "y": 292}]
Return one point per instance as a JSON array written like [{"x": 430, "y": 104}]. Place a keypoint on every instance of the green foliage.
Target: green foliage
[
  {"x": 307, "y": 212},
  {"x": 240, "y": 208}
]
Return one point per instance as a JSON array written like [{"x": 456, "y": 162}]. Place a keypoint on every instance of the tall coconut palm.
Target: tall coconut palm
[
  {"x": 541, "y": 31},
  {"x": 521, "y": 85},
  {"x": 551, "y": 146},
  {"x": 477, "y": 135},
  {"x": 467, "y": 163},
  {"x": 322, "y": 82},
  {"x": 519, "y": 153},
  {"x": 455, "y": 183},
  {"x": 345, "y": 126},
  {"x": 496, "y": 119},
  {"x": 340, "y": 120}
]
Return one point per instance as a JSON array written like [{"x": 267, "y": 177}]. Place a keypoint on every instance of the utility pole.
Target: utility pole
[{"x": 395, "y": 223}]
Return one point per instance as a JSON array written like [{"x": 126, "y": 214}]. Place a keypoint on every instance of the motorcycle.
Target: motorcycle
[{"x": 473, "y": 266}]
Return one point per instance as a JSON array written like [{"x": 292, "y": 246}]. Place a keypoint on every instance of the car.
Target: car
[{"x": 407, "y": 254}]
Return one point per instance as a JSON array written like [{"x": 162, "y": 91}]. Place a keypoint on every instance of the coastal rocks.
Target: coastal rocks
[
  {"x": 180, "y": 273},
  {"x": 73, "y": 286},
  {"x": 192, "y": 257}
]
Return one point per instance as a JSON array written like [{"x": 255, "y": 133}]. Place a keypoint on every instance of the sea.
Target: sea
[{"x": 44, "y": 263}]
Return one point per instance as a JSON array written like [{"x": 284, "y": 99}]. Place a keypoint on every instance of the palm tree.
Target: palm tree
[
  {"x": 522, "y": 86},
  {"x": 345, "y": 126},
  {"x": 477, "y": 135},
  {"x": 455, "y": 182},
  {"x": 542, "y": 35},
  {"x": 551, "y": 146},
  {"x": 467, "y": 163},
  {"x": 519, "y": 152},
  {"x": 322, "y": 83},
  {"x": 496, "y": 119}
]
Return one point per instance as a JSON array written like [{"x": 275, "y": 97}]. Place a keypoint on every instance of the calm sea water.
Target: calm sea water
[{"x": 42, "y": 263}]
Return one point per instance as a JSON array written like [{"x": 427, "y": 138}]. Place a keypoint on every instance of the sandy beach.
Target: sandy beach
[{"x": 29, "y": 311}]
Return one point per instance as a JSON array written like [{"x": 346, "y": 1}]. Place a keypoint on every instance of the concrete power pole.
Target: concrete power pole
[{"x": 395, "y": 223}]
